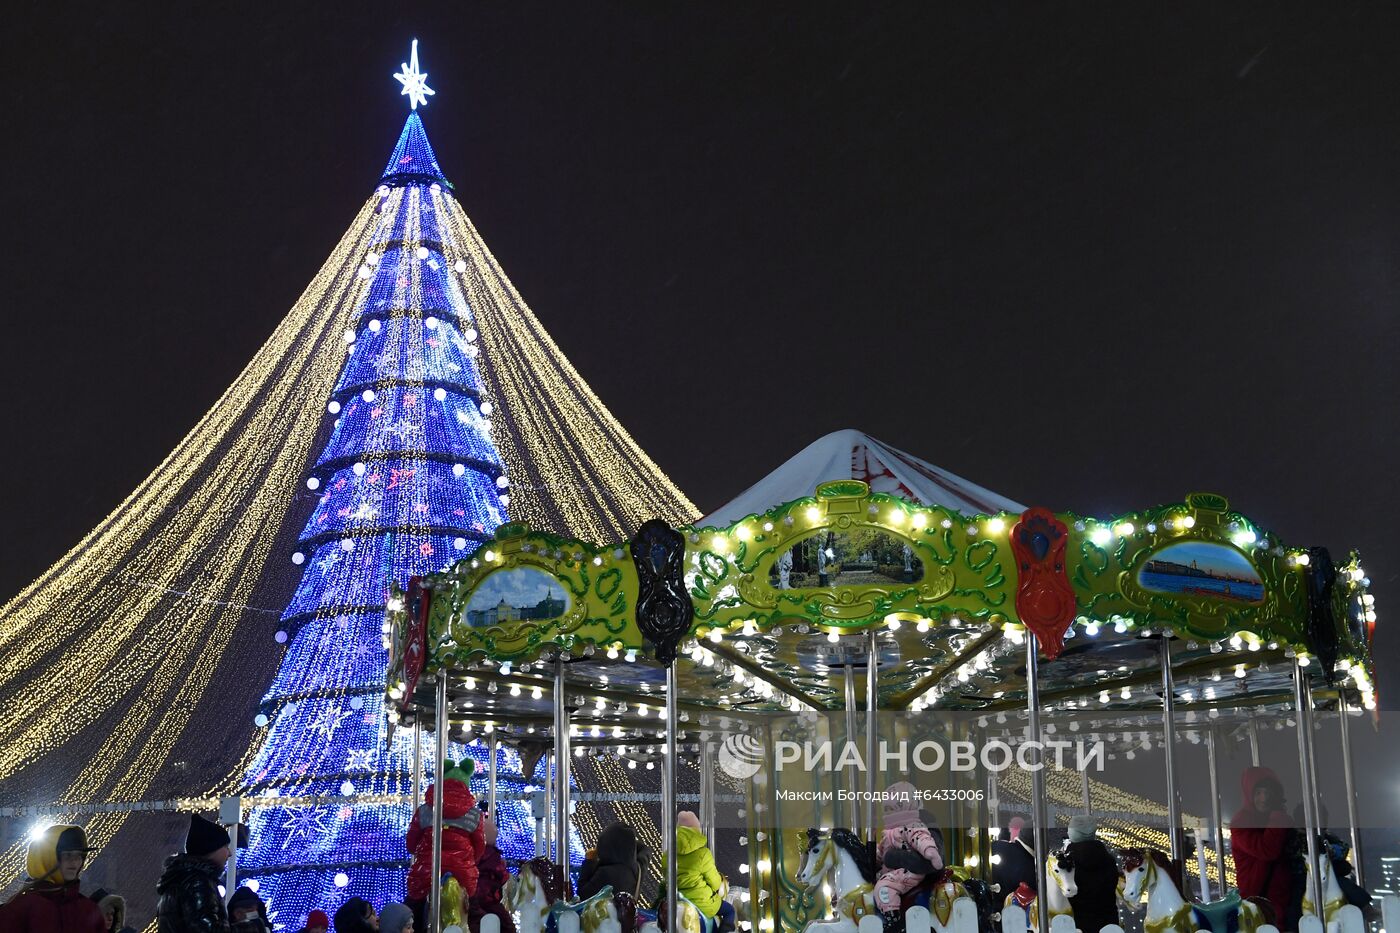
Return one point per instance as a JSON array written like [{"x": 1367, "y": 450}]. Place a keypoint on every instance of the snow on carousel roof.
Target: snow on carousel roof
[{"x": 852, "y": 454}]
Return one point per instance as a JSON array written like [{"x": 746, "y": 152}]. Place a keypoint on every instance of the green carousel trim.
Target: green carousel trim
[{"x": 968, "y": 574}]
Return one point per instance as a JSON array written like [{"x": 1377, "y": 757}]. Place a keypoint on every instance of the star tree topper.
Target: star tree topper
[{"x": 415, "y": 83}]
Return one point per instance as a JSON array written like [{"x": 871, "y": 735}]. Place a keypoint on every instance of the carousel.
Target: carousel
[{"x": 827, "y": 649}]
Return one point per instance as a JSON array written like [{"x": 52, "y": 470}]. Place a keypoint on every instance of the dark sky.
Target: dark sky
[{"x": 1092, "y": 258}]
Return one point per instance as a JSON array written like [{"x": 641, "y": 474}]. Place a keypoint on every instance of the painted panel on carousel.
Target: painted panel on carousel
[
  {"x": 1202, "y": 568},
  {"x": 514, "y": 595},
  {"x": 851, "y": 557}
]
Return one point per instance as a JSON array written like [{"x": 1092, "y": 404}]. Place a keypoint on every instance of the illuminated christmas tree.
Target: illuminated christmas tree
[{"x": 392, "y": 421}]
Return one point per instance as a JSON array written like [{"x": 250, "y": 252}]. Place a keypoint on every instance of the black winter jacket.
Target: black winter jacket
[
  {"x": 189, "y": 900},
  {"x": 1096, "y": 874},
  {"x": 618, "y": 863}
]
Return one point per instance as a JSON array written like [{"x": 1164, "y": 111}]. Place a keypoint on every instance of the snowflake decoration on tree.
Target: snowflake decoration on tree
[
  {"x": 327, "y": 721},
  {"x": 303, "y": 822},
  {"x": 361, "y": 759}
]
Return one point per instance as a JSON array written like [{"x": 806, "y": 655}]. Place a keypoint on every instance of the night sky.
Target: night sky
[{"x": 1093, "y": 259}]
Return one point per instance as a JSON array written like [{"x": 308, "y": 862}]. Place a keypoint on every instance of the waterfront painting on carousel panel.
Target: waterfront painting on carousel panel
[{"x": 1201, "y": 568}]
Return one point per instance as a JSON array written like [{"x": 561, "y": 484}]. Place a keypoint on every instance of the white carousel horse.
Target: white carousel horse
[
  {"x": 1337, "y": 914},
  {"x": 1145, "y": 871},
  {"x": 950, "y": 908},
  {"x": 853, "y": 886},
  {"x": 1020, "y": 910},
  {"x": 529, "y": 896},
  {"x": 597, "y": 914}
]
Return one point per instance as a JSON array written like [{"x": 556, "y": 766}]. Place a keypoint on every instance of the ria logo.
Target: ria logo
[{"x": 740, "y": 756}]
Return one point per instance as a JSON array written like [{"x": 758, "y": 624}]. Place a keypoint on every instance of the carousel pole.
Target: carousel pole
[
  {"x": 872, "y": 729},
  {"x": 1350, "y": 779},
  {"x": 1253, "y": 741},
  {"x": 493, "y": 744},
  {"x": 1084, "y": 791},
  {"x": 1041, "y": 814},
  {"x": 561, "y": 769},
  {"x": 668, "y": 798},
  {"x": 1302, "y": 701},
  {"x": 707, "y": 791},
  {"x": 548, "y": 820},
  {"x": 417, "y": 765},
  {"x": 851, "y": 782},
  {"x": 1169, "y": 749},
  {"x": 439, "y": 768},
  {"x": 1217, "y": 830}
]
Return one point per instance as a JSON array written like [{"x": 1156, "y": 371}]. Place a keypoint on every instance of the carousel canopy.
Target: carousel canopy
[{"x": 852, "y": 454}]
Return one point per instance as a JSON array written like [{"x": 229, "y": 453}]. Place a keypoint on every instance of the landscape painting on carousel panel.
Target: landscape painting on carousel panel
[
  {"x": 858, "y": 557},
  {"x": 1199, "y": 568},
  {"x": 516, "y": 594}
]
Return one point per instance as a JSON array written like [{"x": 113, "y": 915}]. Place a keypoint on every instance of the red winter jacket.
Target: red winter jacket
[
  {"x": 460, "y": 849},
  {"x": 492, "y": 876},
  {"x": 1258, "y": 842},
  {"x": 51, "y": 908}
]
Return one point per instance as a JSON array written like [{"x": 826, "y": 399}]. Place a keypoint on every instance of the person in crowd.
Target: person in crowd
[
  {"x": 49, "y": 901},
  {"x": 396, "y": 918},
  {"x": 616, "y": 861},
  {"x": 247, "y": 913},
  {"x": 1096, "y": 873},
  {"x": 697, "y": 878},
  {"x": 113, "y": 908},
  {"x": 907, "y": 850},
  {"x": 1014, "y": 862},
  {"x": 491, "y": 878},
  {"x": 1262, "y": 842},
  {"x": 188, "y": 891},
  {"x": 316, "y": 922},
  {"x": 356, "y": 915}
]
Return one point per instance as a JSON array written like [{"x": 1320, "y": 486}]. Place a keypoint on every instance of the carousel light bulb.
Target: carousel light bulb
[
  {"x": 1127, "y": 693},
  {"x": 642, "y": 710},
  {"x": 1239, "y": 671},
  {"x": 996, "y": 525},
  {"x": 1125, "y": 529},
  {"x": 833, "y": 636},
  {"x": 515, "y": 690},
  {"x": 1091, "y": 629},
  {"x": 631, "y": 655},
  {"x": 1188, "y": 521},
  {"x": 743, "y": 533},
  {"x": 1100, "y": 536},
  {"x": 716, "y": 635},
  {"x": 536, "y": 693},
  {"x": 1236, "y": 642},
  {"x": 813, "y": 513},
  {"x": 1103, "y": 696},
  {"x": 923, "y": 625},
  {"x": 763, "y": 865},
  {"x": 719, "y": 544},
  {"x": 893, "y": 624}
]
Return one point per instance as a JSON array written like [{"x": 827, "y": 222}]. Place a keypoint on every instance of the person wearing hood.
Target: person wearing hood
[
  {"x": 491, "y": 878},
  {"x": 697, "y": 878},
  {"x": 50, "y": 901},
  {"x": 113, "y": 907},
  {"x": 356, "y": 916},
  {"x": 398, "y": 918},
  {"x": 617, "y": 861},
  {"x": 247, "y": 913},
  {"x": 1013, "y": 862},
  {"x": 1096, "y": 873},
  {"x": 908, "y": 851},
  {"x": 188, "y": 891},
  {"x": 1260, "y": 836}
]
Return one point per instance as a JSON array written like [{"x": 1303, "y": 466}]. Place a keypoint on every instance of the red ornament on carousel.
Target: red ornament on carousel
[
  {"x": 463, "y": 840},
  {"x": 1044, "y": 597}
]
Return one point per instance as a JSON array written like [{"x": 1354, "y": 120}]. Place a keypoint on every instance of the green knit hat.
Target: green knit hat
[{"x": 461, "y": 770}]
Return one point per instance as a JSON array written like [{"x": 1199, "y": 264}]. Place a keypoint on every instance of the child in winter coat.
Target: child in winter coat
[
  {"x": 907, "y": 851},
  {"x": 697, "y": 877},
  {"x": 492, "y": 876},
  {"x": 462, "y": 840}
]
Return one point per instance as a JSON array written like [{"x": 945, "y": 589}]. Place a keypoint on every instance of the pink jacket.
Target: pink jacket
[{"x": 913, "y": 836}]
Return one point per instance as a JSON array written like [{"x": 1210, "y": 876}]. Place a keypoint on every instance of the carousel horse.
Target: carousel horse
[
  {"x": 532, "y": 892},
  {"x": 1147, "y": 871},
  {"x": 853, "y": 886},
  {"x": 951, "y": 909},
  {"x": 689, "y": 919},
  {"x": 1335, "y": 913},
  {"x": 1020, "y": 909},
  {"x": 597, "y": 914}
]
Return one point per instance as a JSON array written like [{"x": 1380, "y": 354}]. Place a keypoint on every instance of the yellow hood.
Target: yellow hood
[{"x": 43, "y": 853}]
